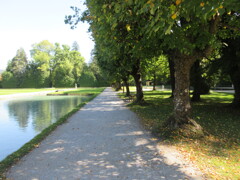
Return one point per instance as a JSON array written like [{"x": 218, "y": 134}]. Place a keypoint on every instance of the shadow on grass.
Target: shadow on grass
[
  {"x": 218, "y": 148},
  {"x": 214, "y": 114}
]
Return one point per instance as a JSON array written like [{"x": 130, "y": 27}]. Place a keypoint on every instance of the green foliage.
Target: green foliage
[
  {"x": 157, "y": 66},
  {"x": 8, "y": 80},
  {"x": 62, "y": 74},
  {"x": 17, "y": 66},
  {"x": 87, "y": 79},
  {"x": 92, "y": 76},
  {"x": 67, "y": 66},
  {"x": 128, "y": 34},
  {"x": 51, "y": 65}
]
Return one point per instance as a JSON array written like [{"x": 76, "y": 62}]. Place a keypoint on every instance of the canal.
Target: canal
[{"x": 23, "y": 118}]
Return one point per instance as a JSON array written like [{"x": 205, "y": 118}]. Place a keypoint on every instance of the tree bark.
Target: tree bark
[
  {"x": 125, "y": 80},
  {"x": 172, "y": 72},
  {"x": 231, "y": 61},
  {"x": 196, "y": 81},
  {"x": 182, "y": 107},
  {"x": 235, "y": 77},
  {"x": 181, "y": 118},
  {"x": 138, "y": 82}
]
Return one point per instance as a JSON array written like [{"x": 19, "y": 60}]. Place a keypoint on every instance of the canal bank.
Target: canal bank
[
  {"x": 31, "y": 93},
  {"x": 24, "y": 117},
  {"x": 13, "y": 158}
]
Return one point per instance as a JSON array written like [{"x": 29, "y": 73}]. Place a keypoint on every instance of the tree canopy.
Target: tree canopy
[
  {"x": 129, "y": 34},
  {"x": 51, "y": 65}
]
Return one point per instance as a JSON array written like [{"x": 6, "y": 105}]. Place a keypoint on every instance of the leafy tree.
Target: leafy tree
[
  {"x": 77, "y": 60},
  {"x": 17, "y": 66},
  {"x": 87, "y": 79},
  {"x": 157, "y": 69},
  {"x": 8, "y": 80},
  {"x": 230, "y": 62},
  {"x": 187, "y": 28},
  {"x": 75, "y": 46},
  {"x": 42, "y": 54},
  {"x": 114, "y": 37},
  {"x": 67, "y": 66},
  {"x": 101, "y": 77}
]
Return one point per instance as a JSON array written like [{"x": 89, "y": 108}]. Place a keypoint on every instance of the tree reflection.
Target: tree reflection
[
  {"x": 20, "y": 112},
  {"x": 40, "y": 112}
]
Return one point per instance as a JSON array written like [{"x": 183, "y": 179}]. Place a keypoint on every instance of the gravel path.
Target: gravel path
[{"x": 103, "y": 140}]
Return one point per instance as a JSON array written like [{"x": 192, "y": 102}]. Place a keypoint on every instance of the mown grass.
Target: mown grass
[
  {"x": 28, "y": 147},
  {"x": 17, "y": 91},
  {"x": 218, "y": 153},
  {"x": 80, "y": 91}
]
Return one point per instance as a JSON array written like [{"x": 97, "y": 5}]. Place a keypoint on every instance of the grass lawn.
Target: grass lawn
[
  {"x": 70, "y": 92},
  {"x": 79, "y": 91},
  {"x": 17, "y": 91},
  {"x": 218, "y": 153}
]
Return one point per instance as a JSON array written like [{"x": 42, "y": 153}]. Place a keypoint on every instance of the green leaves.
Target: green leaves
[{"x": 117, "y": 8}]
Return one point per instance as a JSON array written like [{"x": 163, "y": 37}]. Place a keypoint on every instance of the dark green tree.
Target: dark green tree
[
  {"x": 230, "y": 62},
  {"x": 17, "y": 66}
]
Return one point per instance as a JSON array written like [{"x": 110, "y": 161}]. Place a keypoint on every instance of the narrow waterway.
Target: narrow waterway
[{"x": 23, "y": 118}]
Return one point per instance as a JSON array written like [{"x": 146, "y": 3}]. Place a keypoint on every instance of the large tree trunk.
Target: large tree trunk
[
  {"x": 231, "y": 58},
  {"x": 138, "y": 82},
  {"x": 125, "y": 80},
  {"x": 117, "y": 86},
  {"x": 172, "y": 72},
  {"x": 182, "y": 105},
  {"x": 181, "y": 118},
  {"x": 196, "y": 81},
  {"x": 235, "y": 77}
]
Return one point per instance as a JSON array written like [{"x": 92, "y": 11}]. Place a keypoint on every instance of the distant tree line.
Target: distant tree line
[{"x": 51, "y": 66}]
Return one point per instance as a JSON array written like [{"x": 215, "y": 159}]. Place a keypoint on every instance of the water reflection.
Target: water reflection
[{"x": 22, "y": 118}]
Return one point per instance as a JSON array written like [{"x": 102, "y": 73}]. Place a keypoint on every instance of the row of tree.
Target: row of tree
[
  {"x": 131, "y": 35},
  {"x": 51, "y": 66}
]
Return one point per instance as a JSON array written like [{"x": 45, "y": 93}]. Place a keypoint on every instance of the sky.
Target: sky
[{"x": 26, "y": 22}]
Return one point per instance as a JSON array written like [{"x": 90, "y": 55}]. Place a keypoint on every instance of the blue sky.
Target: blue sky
[{"x": 25, "y": 22}]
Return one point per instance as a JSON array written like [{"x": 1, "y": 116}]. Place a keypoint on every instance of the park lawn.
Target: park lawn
[
  {"x": 79, "y": 91},
  {"x": 218, "y": 153},
  {"x": 24, "y": 90}
]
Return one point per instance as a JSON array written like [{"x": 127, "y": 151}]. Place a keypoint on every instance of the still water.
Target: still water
[{"x": 23, "y": 118}]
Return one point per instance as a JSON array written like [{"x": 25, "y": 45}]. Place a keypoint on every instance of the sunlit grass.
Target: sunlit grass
[
  {"x": 218, "y": 153},
  {"x": 17, "y": 91},
  {"x": 60, "y": 90},
  {"x": 79, "y": 91}
]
